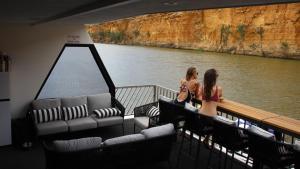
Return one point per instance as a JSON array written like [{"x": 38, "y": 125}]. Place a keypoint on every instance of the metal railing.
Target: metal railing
[{"x": 133, "y": 96}]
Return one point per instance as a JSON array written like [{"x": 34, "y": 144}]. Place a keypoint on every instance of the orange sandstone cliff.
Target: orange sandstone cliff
[{"x": 272, "y": 31}]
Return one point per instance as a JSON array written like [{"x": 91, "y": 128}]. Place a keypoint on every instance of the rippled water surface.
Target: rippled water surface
[{"x": 266, "y": 83}]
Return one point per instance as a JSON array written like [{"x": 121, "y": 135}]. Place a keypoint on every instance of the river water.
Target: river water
[{"x": 266, "y": 83}]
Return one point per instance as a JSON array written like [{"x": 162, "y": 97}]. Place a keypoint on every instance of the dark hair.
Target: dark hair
[
  {"x": 190, "y": 72},
  {"x": 210, "y": 78}
]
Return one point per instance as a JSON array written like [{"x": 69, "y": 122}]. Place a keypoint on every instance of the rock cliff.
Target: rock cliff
[{"x": 271, "y": 31}]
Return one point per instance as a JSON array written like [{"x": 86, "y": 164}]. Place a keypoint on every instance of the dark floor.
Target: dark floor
[{"x": 16, "y": 158}]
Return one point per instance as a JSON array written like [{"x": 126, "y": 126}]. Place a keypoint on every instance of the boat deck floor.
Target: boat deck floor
[{"x": 16, "y": 158}]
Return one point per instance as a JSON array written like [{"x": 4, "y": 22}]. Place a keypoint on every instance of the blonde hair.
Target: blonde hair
[{"x": 190, "y": 72}]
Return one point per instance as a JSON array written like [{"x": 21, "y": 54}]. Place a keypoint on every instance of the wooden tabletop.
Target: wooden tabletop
[
  {"x": 246, "y": 111},
  {"x": 285, "y": 123},
  {"x": 258, "y": 115}
]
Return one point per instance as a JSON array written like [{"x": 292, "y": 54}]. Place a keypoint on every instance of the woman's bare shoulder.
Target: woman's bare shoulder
[{"x": 194, "y": 81}]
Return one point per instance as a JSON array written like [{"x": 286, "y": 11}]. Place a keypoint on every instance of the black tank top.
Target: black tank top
[{"x": 186, "y": 100}]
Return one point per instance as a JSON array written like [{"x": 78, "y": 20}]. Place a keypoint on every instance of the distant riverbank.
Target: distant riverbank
[{"x": 270, "y": 31}]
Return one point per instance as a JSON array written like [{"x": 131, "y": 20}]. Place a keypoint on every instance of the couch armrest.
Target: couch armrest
[
  {"x": 117, "y": 104},
  {"x": 153, "y": 121},
  {"x": 141, "y": 110}
]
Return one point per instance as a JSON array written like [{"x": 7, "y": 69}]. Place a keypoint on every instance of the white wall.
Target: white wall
[{"x": 33, "y": 50}]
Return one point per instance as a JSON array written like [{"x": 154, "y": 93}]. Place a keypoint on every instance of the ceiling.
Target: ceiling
[{"x": 97, "y": 11}]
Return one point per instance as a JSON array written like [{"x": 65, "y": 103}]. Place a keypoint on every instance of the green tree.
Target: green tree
[
  {"x": 260, "y": 31},
  {"x": 225, "y": 32},
  {"x": 285, "y": 47},
  {"x": 241, "y": 29}
]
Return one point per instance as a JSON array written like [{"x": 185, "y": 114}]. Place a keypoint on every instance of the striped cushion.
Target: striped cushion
[
  {"x": 46, "y": 115},
  {"x": 153, "y": 111},
  {"x": 107, "y": 112},
  {"x": 75, "y": 112}
]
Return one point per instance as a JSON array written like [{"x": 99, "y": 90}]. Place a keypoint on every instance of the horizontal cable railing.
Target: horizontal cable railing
[{"x": 245, "y": 116}]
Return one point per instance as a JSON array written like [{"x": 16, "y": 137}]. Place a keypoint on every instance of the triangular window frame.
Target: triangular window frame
[{"x": 97, "y": 59}]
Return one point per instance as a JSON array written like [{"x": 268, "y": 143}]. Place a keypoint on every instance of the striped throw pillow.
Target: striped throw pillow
[
  {"x": 107, "y": 112},
  {"x": 153, "y": 111},
  {"x": 75, "y": 112},
  {"x": 46, "y": 115}
]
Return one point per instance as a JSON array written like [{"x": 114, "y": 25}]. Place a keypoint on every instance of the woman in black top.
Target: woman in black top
[{"x": 189, "y": 87}]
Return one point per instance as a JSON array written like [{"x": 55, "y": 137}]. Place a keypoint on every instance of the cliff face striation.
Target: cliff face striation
[{"x": 271, "y": 31}]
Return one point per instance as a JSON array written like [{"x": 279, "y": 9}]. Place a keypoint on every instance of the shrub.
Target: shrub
[
  {"x": 253, "y": 46},
  {"x": 260, "y": 31},
  {"x": 200, "y": 50},
  {"x": 225, "y": 32},
  {"x": 116, "y": 36},
  {"x": 284, "y": 46},
  {"x": 101, "y": 35},
  {"x": 136, "y": 33},
  {"x": 241, "y": 29}
]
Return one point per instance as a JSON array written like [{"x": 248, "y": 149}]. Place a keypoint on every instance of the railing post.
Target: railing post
[{"x": 154, "y": 93}]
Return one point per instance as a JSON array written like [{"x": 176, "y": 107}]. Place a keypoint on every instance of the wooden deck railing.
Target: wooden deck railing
[
  {"x": 133, "y": 96},
  {"x": 261, "y": 117}
]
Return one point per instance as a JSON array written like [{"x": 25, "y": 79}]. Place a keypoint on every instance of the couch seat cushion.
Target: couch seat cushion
[
  {"x": 225, "y": 120},
  {"x": 73, "y": 101},
  {"x": 163, "y": 130},
  {"x": 190, "y": 107},
  {"x": 142, "y": 122},
  {"x": 45, "y": 103},
  {"x": 261, "y": 132},
  {"x": 109, "y": 121},
  {"x": 81, "y": 124},
  {"x": 51, "y": 127},
  {"x": 76, "y": 144},
  {"x": 166, "y": 99},
  {"x": 99, "y": 101},
  {"x": 124, "y": 139}
]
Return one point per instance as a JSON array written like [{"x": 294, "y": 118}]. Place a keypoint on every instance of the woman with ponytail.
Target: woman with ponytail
[{"x": 211, "y": 93}]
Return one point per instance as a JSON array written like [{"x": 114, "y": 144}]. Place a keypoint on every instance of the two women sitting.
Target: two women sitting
[{"x": 210, "y": 93}]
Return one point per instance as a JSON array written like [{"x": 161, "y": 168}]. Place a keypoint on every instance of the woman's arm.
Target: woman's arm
[
  {"x": 198, "y": 93},
  {"x": 182, "y": 85},
  {"x": 220, "y": 92}
]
